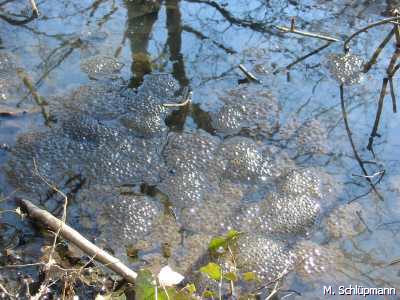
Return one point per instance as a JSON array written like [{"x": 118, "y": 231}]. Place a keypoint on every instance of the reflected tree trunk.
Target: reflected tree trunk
[
  {"x": 142, "y": 15},
  {"x": 174, "y": 41}
]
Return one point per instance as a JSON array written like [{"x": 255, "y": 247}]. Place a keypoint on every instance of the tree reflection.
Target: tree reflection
[{"x": 142, "y": 15}]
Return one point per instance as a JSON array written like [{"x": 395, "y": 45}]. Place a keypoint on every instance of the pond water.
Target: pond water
[{"x": 77, "y": 108}]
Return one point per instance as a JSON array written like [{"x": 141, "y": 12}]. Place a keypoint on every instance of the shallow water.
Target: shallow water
[{"x": 201, "y": 43}]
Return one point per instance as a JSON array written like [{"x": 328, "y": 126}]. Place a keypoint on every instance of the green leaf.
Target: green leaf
[
  {"x": 222, "y": 241},
  {"x": 231, "y": 276},
  {"x": 216, "y": 243},
  {"x": 191, "y": 288},
  {"x": 249, "y": 276},
  {"x": 212, "y": 270},
  {"x": 144, "y": 286},
  {"x": 232, "y": 234},
  {"x": 208, "y": 294}
]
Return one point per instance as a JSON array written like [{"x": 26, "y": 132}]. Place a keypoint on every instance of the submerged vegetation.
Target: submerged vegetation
[{"x": 185, "y": 174}]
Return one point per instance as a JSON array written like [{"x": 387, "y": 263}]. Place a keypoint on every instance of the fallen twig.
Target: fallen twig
[{"x": 70, "y": 234}]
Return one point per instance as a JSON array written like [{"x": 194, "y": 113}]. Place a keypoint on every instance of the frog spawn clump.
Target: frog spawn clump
[
  {"x": 267, "y": 257},
  {"x": 292, "y": 210},
  {"x": 122, "y": 217},
  {"x": 244, "y": 160},
  {"x": 146, "y": 115},
  {"x": 191, "y": 168},
  {"x": 249, "y": 107},
  {"x": 100, "y": 66},
  {"x": 10, "y": 84},
  {"x": 101, "y": 155},
  {"x": 305, "y": 138},
  {"x": 346, "y": 68},
  {"x": 44, "y": 155},
  {"x": 197, "y": 166},
  {"x": 315, "y": 261},
  {"x": 95, "y": 99},
  {"x": 142, "y": 111},
  {"x": 345, "y": 221},
  {"x": 87, "y": 142},
  {"x": 301, "y": 182},
  {"x": 191, "y": 152}
]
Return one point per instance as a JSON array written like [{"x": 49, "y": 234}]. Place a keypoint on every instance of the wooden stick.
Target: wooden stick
[{"x": 70, "y": 234}]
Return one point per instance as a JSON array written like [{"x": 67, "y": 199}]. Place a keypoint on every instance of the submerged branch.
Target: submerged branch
[{"x": 70, "y": 234}]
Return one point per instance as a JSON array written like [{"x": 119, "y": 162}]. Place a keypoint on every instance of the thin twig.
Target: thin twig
[
  {"x": 349, "y": 135},
  {"x": 184, "y": 103},
  {"x": 292, "y": 29},
  {"x": 187, "y": 96},
  {"x": 22, "y": 266},
  {"x": 304, "y": 57},
  {"x": 374, "y": 132},
  {"x": 38, "y": 99},
  {"x": 378, "y": 50},
  {"x": 370, "y": 176},
  {"x": 393, "y": 95},
  {"x": 346, "y": 46},
  {"x": 248, "y": 74}
]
